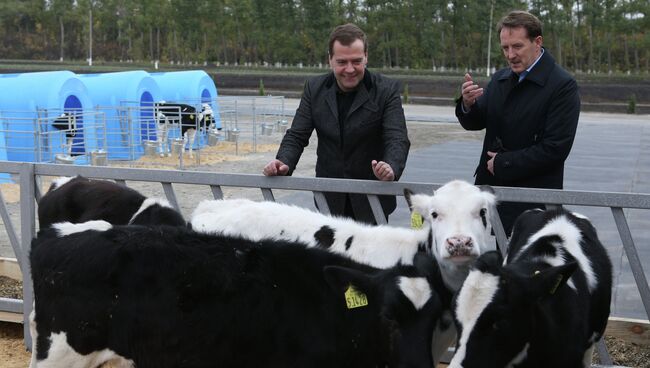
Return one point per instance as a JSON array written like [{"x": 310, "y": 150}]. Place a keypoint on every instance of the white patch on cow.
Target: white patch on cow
[
  {"x": 379, "y": 246},
  {"x": 59, "y": 182},
  {"x": 148, "y": 203},
  {"x": 475, "y": 295},
  {"x": 519, "y": 358},
  {"x": 416, "y": 289},
  {"x": 588, "y": 357},
  {"x": 457, "y": 207},
  {"x": 66, "y": 228},
  {"x": 571, "y": 239},
  {"x": 61, "y": 354},
  {"x": 580, "y": 216},
  {"x": 34, "y": 334}
]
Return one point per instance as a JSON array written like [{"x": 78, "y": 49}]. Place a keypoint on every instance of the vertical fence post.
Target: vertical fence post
[{"x": 27, "y": 232}]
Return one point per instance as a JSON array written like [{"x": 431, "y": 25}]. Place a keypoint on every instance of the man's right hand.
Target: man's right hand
[
  {"x": 470, "y": 91},
  {"x": 276, "y": 167}
]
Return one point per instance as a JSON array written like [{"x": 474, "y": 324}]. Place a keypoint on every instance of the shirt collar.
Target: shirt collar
[{"x": 535, "y": 62}]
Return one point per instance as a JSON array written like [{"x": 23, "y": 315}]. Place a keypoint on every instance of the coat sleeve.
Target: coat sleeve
[
  {"x": 395, "y": 137},
  {"x": 297, "y": 137},
  {"x": 556, "y": 139}
]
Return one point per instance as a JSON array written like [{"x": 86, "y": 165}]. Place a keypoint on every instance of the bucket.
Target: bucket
[
  {"x": 282, "y": 126},
  {"x": 267, "y": 129},
  {"x": 98, "y": 158},
  {"x": 232, "y": 135},
  {"x": 177, "y": 146},
  {"x": 213, "y": 137},
  {"x": 150, "y": 148},
  {"x": 63, "y": 159}
]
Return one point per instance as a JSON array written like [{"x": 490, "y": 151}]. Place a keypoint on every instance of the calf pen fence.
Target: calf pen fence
[{"x": 29, "y": 176}]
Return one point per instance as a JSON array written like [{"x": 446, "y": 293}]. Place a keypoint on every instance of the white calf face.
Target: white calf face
[{"x": 459, "y": 215}]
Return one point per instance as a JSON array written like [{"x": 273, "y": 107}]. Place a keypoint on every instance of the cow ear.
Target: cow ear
[
  {"x": 340, "y": 278},
  {"x": 546, "y": 283},
  {"x": 418, "y": 203}
]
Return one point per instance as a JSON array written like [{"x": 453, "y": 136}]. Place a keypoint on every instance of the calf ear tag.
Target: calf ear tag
[
  {"x": 416, "y": 220},
  {"x": 354, "y": 298}
]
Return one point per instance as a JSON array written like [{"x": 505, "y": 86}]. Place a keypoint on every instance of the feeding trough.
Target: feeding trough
[
  {"x": 267, "y": 128},
  {"x": 282, "y": 126},
  {"x": 150, "y": 147},
  {"x": 232, "y": 135},
  {"x": 98, "y": 158},
  {"x": 213, "y": 137},
  {"x": 60, "y": 158},
  {"x": 177, "y": 146}
]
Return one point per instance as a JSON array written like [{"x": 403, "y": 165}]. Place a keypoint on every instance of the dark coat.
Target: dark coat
[
  {"x": 375, "y": 129},
  {"x": 532, "y": 124}
]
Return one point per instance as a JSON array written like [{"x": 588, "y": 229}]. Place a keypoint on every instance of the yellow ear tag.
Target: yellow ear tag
[
  {"x": 354, "y": 298},
  {"x": 416, "y": 221},
  {"x": 192, "y": 117}
]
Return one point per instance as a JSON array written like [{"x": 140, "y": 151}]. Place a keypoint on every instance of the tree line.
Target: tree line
[{"x": 603, "y": 36}]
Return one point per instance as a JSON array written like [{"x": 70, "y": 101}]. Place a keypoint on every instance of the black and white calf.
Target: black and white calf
[
  {"x": 175, "y": 113},
  {"x": 546, "y": 307},
  {"x": 456, "y": 230},
  {"x": 67, "y": 122},
  {"x": 171, "y": 297},
  {"x": 79, "y": 199},
  {"x": 459, "y": 232}
]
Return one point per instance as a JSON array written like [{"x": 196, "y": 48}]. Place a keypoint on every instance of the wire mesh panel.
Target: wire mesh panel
[{"x": 136, "y": 134}]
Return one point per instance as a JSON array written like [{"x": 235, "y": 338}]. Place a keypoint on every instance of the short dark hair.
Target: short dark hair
[
  {"x": 346, "y": 34},
  {"x": 520, "y": 18}
]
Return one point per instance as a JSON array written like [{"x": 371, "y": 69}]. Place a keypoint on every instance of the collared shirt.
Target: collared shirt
[{"x": 522, "y": 75}]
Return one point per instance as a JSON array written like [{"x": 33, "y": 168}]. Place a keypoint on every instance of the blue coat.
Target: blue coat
[
  {"x": 535, "y": 122},
  {"x": 375, "y": 129}
]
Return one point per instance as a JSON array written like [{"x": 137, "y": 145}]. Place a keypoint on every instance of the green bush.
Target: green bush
[
  {"x": 631, "y": 104},
  {"x": 262, "y": 93},
  {"x": 405, "y": 95}
]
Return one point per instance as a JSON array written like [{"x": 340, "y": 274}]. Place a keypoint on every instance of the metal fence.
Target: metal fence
[{"x": 29, "y": 176}]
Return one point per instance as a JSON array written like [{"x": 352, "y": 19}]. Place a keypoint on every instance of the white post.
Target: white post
[
  {"x": 90, "y": 37},
  {"x": 487, "y": 70}
]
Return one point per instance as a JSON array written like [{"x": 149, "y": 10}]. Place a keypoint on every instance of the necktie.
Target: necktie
[{"x": 523, "y": 75}]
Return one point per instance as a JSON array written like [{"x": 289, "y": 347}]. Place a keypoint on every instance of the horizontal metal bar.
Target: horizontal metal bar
[
  {"x": 525, "y": 195},
  {"x": 11, "y": 305}
]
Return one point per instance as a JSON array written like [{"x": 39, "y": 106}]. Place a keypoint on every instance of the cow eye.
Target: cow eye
[
  {"x": 434, "y": 215},
  {"x": 483, "y": 212}
]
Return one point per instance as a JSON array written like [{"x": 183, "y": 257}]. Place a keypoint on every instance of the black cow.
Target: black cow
[
  {"x": 80, "y": 199},
  {"x": 171, "y": 297},
  {"x": 546, "y": 307},
  {"x": 185, "y": 115}
]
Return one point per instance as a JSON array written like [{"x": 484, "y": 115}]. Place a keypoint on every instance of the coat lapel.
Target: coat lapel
[{"x": 330, "y": 99}]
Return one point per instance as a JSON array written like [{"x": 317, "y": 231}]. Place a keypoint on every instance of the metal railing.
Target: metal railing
[{"x": 29, "y": 175}]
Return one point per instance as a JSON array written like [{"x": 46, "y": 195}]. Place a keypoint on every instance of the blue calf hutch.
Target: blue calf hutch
[
  {"x": 126, "y": 99},
  {"x": 30, "y": 104}
]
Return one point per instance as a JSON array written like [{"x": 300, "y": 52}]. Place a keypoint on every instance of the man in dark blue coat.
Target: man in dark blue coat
[
  {"x": 529, "y": 111},
  {"x": 360, "y": 124}
]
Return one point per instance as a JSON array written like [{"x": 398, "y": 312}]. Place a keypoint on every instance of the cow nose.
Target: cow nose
[{"x": 459, "y": 244}]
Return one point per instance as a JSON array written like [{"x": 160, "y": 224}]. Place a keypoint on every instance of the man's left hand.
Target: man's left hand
[
  {"x": 382, "y": 171},
  {"x": 490, "y": 163}
]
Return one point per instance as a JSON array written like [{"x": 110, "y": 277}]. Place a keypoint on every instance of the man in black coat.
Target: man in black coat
[
  {"x": 530, "y": 112},
  {"x": 360, "y": 124}
]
